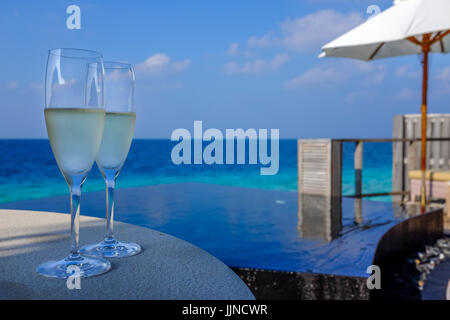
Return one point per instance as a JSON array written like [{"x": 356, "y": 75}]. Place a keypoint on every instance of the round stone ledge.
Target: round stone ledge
[{"x": 168, "y": 268}]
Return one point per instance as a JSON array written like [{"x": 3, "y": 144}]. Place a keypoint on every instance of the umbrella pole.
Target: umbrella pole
[{"x": 423, "y": 162}]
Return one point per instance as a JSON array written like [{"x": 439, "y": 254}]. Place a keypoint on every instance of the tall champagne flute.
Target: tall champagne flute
[
  {"x": 75, "y": 118},
  {"x": 116, "y": 142}
]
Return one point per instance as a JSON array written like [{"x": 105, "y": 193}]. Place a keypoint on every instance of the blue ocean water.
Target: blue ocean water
[{"x": 29, "y": 171}]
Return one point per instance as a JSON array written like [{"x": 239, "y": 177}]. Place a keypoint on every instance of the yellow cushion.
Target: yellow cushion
[{"x": 434, "y": 174}]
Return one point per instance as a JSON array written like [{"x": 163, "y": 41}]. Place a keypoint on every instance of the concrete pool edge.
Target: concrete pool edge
[{"x": 167, "y": 268}]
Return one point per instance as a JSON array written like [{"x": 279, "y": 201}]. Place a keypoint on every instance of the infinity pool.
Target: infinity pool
[{"x": 246, "y": 227}]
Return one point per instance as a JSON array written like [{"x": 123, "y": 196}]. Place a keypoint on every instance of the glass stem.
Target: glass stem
[
  {"x": 75, "y": 196},
  {"x": 110, "y": 186}
]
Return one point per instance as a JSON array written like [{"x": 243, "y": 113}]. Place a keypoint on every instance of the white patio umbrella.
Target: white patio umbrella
[{"x": 408, "y": 27}]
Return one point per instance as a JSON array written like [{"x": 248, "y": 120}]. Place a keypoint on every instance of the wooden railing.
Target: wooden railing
[{"x": 413, "y": 146}]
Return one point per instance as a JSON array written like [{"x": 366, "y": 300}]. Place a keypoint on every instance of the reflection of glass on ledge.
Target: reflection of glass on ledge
[{"x": 319, "y": 217}]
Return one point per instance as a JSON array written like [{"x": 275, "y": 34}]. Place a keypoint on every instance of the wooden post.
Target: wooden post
[
  {"x": 411, "y": 164},
  {"x": 320, "y": 167},
  {"x": 358, "y": 167},
  {"x": 319, "y": 187},
  {"x": 358, "y": 157},
  {"x": 336, "y": 169},
  {"x": 336, "y": 187},
  {"x": 412, "y": 155},
  {"x": 423, "y": 154},
  {"x": 435, "y": 161},
  {"x": 398, "y": 155}
]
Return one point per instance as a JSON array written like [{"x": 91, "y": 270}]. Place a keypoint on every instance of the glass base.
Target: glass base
[
  {"x": 111, "y": 249},
  {"x": 73, "y": 265}
]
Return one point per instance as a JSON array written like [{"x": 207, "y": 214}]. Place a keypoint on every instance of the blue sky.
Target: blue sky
[{"x": 231, "y": 64}]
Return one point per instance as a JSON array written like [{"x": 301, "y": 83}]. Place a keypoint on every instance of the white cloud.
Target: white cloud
[
  {"x": 443, "y": 79},
  {"x": 374, "y": 79},
  {"x": 317, "y": 76},
  {"x": 407, "y": 95},
  {"x": 406, "y": 71},
  {"x": 310, "y": 32},
  {"x": 442, "y": 83},
  {"x": 10, "y": 85},
  {"x": 358, "y": 96},
  {"x": 363, "y": 66},
  {"x": 180, "y": 66},
  {"x": 266, "y": 40},
  {"x": 155, "y": 63},
  {"x": 16, "y": 87},
  {"x": 375, "y": 74},
  {"x": 36, "y": 86},
  {"x": 367, "y": 74},
  {"x": 160, "y": 63},
  {"x": 233, "y": 49},
  {"x": 444, "y": 74},
  {"x": 257, "y": 66}
]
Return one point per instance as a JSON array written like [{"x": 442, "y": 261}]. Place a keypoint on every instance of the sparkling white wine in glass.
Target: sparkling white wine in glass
[
  {"x": 75, "y": 135},
  {"x": 75, "y": 118},
  {"x": 116, "y": 142}
]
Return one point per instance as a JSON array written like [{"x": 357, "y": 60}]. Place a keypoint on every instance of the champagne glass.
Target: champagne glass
[
  {"x": 75, "y": 118},
  {"x": 116, "y": 142}
]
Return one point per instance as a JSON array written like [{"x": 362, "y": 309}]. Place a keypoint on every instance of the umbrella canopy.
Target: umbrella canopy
[
  {"x": 408, "y": 27},
  {"x": 389, "y": 33}
]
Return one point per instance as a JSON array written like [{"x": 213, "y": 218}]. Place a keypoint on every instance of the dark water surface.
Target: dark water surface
[{"x": 247, "y": 227}]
